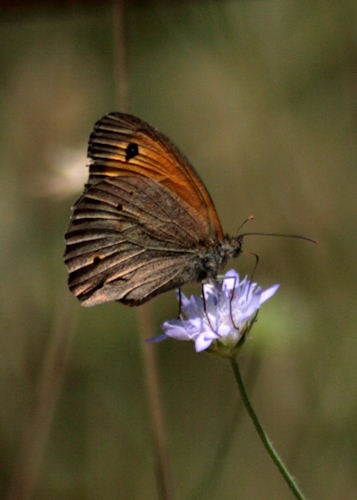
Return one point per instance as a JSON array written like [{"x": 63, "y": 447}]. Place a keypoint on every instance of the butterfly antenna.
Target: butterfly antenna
[
  {"x": 281, "y": 235},
  {"x": 248, "y": 219}
]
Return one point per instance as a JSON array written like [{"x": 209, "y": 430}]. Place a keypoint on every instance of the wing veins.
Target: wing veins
[{"x": 134, "y": 214}]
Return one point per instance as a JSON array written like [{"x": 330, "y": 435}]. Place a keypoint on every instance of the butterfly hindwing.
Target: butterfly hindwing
[{"x": 129, "y": 239}]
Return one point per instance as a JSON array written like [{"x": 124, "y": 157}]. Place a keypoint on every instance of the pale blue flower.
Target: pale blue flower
[{"x": 221, "y": 321}]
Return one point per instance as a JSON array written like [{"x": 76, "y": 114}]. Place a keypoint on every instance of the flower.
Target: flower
[{"x": 220, "y": 321}]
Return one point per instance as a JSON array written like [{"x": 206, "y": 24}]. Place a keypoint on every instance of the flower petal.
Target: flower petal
[
  {"x": 269, "y": 292},
  {"x": 192, "y": 306},
  {"x": 158, "y": 338},
  {"x": 226, "y": 314},
  {"x": 230, "y": 281},
  {"x": 176, "y": 329},
  {"x": 202, "y": 342}
]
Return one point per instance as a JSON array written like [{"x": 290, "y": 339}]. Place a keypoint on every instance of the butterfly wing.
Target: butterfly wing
[
  {"x": 143, "y": 220},
  {"x": 122, "y": 145},
  {"x": 129, "y": 239}
]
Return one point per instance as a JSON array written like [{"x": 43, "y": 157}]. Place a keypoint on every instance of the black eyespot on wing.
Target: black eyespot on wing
[{"x": 131, "y": 151}]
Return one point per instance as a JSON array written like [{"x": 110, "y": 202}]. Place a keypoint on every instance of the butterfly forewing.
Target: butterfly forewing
[{"x": 121, "y": 144}]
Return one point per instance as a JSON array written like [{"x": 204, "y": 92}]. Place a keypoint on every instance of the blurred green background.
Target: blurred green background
[{"x": 261, "y": 97}]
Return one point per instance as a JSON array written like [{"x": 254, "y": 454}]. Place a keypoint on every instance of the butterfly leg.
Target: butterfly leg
[
  {"x": 256, "y": 256},
  {"x": 230, "y": 304},
  {"x": 180, "y": 303},
  {"x": 205, "y": 310}
]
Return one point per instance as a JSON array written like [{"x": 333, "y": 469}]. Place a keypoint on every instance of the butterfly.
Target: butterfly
[{"x": 145, "y": 223}]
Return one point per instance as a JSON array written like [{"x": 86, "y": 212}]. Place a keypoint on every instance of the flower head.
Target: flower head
[{"x": 219, "y": 321}]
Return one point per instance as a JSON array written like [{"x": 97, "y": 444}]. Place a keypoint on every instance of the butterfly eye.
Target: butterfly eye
[
  {"x": 119, "y": 207},
  {"x": 131, "y": 151},
  {"x": 97, "y": 259}
]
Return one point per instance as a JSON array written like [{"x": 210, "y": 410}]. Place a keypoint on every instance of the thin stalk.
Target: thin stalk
[
  {"x": 263, "y": 436},
  {"x": 37, "y": 429},
  {"x": 162, "y": 462}
]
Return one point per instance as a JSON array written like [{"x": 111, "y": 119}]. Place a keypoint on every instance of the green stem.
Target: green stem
[{"x": 263, "y": 436}]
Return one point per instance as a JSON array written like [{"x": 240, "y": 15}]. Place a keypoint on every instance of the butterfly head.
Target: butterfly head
[
  {"x": 232, "y": 246},
  {"x": 212, "y": 259}
]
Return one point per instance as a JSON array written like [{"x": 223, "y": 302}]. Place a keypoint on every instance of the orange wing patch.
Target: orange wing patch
[{"x": 123, "y": 145}]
